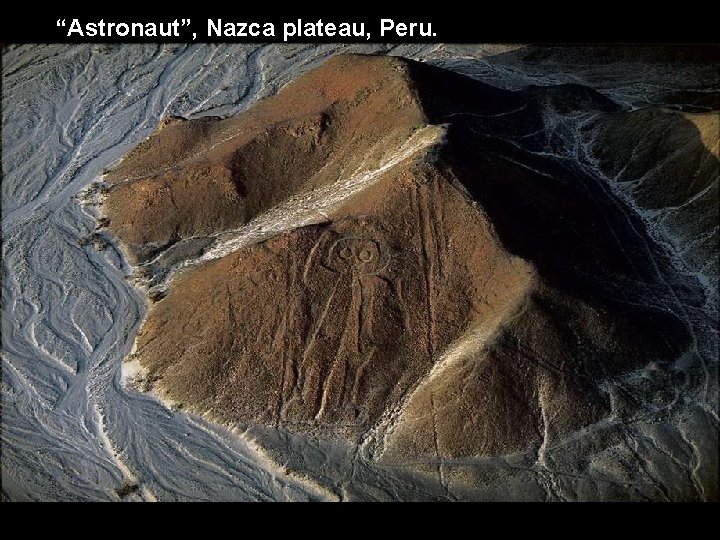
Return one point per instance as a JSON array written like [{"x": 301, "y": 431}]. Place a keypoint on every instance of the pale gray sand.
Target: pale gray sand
[{"x": 72, "y": 431}]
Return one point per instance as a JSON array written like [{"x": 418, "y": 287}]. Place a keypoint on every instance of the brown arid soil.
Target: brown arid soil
[
  {"x": 476, "y": 298},
  {"x": 208, "y": 175}
]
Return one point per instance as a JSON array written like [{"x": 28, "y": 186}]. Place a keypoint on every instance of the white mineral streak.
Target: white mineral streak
[{"x": 71, "y": 428}]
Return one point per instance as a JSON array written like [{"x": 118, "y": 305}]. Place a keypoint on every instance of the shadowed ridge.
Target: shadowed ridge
[{"x": 477, "y": 295}]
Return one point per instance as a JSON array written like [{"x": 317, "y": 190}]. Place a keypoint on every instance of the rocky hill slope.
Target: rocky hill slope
[{"x": 409, "y": 260}]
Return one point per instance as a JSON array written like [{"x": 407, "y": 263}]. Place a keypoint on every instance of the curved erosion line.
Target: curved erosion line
[
  {"x": 301, "y": 215},
  {"x": 271, "y": 466},
  {"x": 128, "y": 475},
  {"x": 56, "y": 189},
  {"x": 472, "y": 342},
  {"x": 328, "y": 198},
  {"x": 307, "y": 208}
]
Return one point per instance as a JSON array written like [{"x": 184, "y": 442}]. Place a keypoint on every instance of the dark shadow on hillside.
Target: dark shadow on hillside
[
  {"x": 684, "y": 77},
  {"x": 505, "y": 151}
]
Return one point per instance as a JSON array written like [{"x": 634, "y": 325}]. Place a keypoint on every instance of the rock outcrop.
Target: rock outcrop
[{"x": 475, "y": 294}]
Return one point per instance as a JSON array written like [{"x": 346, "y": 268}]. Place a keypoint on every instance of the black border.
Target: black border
[{"x": 496, "y": 22}]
